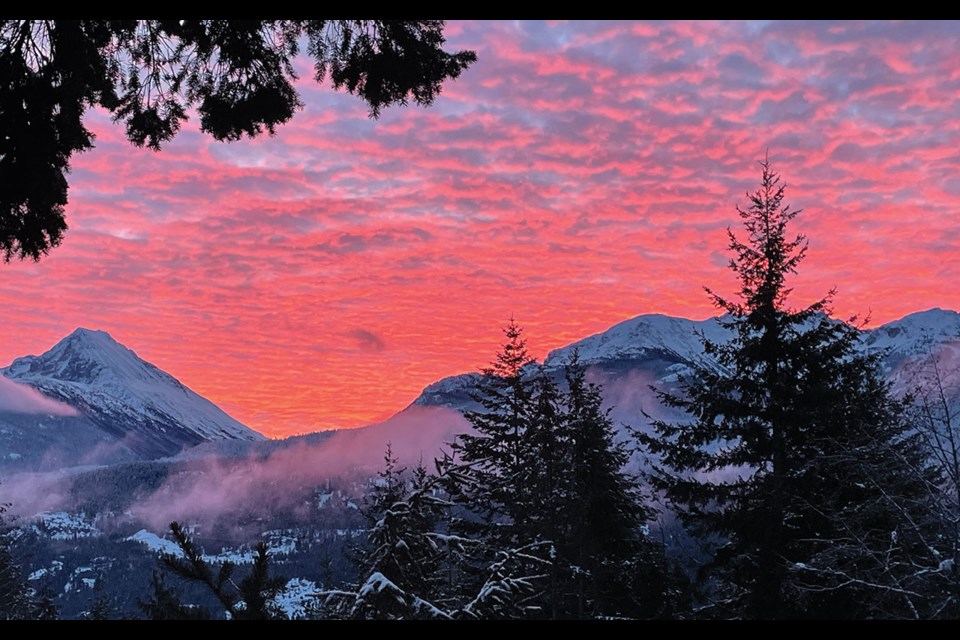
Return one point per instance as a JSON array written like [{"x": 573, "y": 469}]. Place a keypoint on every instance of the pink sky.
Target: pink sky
[{"x": 577, "y": 175}]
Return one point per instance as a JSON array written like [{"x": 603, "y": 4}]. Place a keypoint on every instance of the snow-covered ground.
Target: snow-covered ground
[
  {"x": 280, "y": 542},
  {"x": 296, "y": 596},
  {"x": 65, "y": 526}
]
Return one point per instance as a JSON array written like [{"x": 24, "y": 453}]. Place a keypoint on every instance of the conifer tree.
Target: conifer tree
[
  {"x": 606, "y": 516},
  {"x": 411, "y": 568},
  {"x": 18, "y": 601},
  {"x": 250, "y": 599},
  {"x": 794, "y": 445},
  {"x": 545, "y": 478},
  {"x": 498, "y": 453},
  {"x": 400, "y": 569},
  {"x": 15, "y": 601}
]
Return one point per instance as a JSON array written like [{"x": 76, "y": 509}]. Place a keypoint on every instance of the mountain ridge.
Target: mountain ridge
[
  {"x": 144, "y": 408},
  {"x": 667, "y": 345}
]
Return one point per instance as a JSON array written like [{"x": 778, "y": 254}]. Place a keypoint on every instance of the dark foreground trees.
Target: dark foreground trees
[
  {"x": 542, "y": 467},
  {"x": 148, "y": 74},
  {"x": 15, "y": 600},
  {"x": 18, "y": 600},
  {"x": 247, "y": 598},
  {"x": 795, "y": 461},
  {"x": 532, "y": 516}
]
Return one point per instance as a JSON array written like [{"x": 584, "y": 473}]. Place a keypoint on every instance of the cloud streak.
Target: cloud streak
[
  {"x": 21, "y": 398},
  {"x": 219, "y": 487}
]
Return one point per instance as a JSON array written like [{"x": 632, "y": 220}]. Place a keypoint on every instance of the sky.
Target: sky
[{"x": 578, "y": 174}]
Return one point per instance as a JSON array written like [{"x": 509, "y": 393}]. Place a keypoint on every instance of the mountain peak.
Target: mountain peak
[
  {"x": 652, "y": 333},
  {"x": 85, "y": 356},
  {"x": 934, "y": 315},
  {"x": 90, "y": 338},
  {"x": 82, "y": 333},
  {"x": 916, "y": 334},
  {"x": 126, "y": 395}
]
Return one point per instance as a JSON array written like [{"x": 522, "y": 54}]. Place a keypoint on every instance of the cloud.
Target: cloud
[
  {"x": 214, "y": 487},
  {"x": 366, "y": 340},
  {"x": 21, "y": 398}
]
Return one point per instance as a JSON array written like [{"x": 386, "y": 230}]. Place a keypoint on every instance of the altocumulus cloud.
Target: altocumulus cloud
[{"x": 366, "y": 340}]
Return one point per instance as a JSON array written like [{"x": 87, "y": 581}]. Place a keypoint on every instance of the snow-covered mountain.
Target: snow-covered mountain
[
  {"x": 642, "y": 337},
  {"x": 916, "y": 335},
  {"x": 661, "y": 346},
  {"x": 129, "y": 400}
]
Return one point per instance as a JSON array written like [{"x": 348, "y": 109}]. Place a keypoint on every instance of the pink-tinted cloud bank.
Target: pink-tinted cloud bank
[{"x": 20, "y": 398}]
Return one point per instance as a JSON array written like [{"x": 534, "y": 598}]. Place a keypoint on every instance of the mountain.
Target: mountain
[
  {"x": 660, "y": 347},
  {"x": 914, "y": 336},
  {"x": 121, "y": 399}
]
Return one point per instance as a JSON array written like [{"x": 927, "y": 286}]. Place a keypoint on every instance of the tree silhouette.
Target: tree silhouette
[
  {"x": 18, "y": 601},
  {"x": 796, "y": 459},
  {"x": 148, "y": 74},
  {"x": 249, "y": 599},
  {"x": 542, "y": 477}
]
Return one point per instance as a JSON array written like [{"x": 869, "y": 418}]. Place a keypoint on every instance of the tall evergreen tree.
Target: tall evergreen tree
[
  {"x": 794, "y": 443},
  {"x": 543, "y": 473},
  {"x": 606, "y": 516},
  {"x": 497, "y": 452}
]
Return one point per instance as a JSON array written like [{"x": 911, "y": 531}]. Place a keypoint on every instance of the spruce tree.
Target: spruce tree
[
  {"x": 412, "y": 565},
  {"x": 550, "y": 479},
  {"x": 497, "y": 452},
  {"x": 506, "y": 511},
  {"x": 606, "y": 515},
  {"x": 401, "y": 567},
  {"x": 793, "y": 447},
  {"x": 544, "y": 478}
]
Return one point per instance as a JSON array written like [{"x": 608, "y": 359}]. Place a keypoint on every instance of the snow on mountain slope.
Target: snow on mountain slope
[
  {"x": 917, "y": 334},
  {"x": 148, "y": 409},
  {"x": 637, "y": 337},
  {"x": 662, "y": 346}
]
